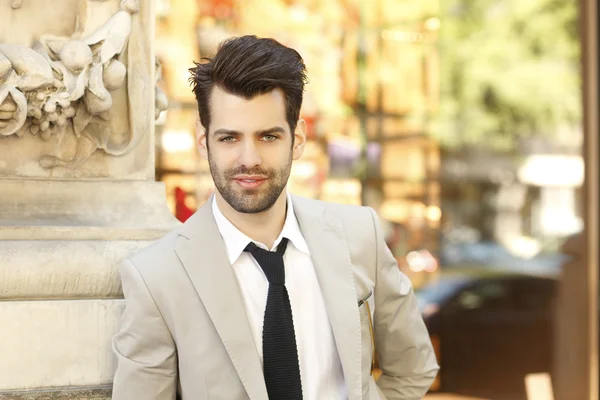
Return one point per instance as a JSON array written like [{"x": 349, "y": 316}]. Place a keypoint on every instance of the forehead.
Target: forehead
[{"x": 247, "y": 115}]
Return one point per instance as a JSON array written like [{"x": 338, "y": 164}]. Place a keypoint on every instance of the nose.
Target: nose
[{"x": 249, "y": 156}]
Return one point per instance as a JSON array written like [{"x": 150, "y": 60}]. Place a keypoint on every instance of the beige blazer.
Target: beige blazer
[{"x": 185, "y": 332}]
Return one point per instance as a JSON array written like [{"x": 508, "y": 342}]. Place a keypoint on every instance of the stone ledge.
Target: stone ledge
[
  {"x": 99, "y": 393},
  {"x": 81, "y": 233},
  {"x": 55, "y": 269},
  {"x": 95, "y": 209}
]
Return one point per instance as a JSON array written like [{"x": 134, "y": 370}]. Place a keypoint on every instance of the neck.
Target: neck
[{"x": 263, "y": 227}]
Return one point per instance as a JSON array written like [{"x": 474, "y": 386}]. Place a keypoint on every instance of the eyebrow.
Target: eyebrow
[{"x": 270, "y": 131}]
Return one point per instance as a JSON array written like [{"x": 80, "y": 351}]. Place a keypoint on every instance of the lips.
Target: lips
[{"x": 250, "y": 182}]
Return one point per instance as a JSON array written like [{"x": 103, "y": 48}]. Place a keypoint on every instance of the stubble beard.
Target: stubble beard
[{"x": 250, "y": 201}]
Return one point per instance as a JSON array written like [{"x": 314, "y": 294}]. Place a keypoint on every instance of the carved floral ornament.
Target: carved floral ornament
[{"x": 67, "y": 84}]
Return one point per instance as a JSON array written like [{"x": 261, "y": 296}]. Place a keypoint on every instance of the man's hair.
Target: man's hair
[{"x": 248, "y": 66}]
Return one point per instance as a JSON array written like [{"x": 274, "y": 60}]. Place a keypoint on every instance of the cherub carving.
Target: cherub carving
[{"x": 69, "y": 84}]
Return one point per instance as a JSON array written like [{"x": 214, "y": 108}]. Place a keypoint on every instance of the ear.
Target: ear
[
  {"x": 299, "y": 139},
  {"x": 201, "y": 139}
]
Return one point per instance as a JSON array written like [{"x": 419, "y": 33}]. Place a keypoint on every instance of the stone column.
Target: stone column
[
  {"x": 77, "y": 192},
  {"x": 576, "y": 330}
]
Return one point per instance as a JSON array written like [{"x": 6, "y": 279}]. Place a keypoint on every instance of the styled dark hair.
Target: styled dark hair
[{"x": 248, "y": 66}]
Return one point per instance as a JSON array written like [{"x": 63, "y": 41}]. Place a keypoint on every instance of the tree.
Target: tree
[{"x": 510, "y": 70}]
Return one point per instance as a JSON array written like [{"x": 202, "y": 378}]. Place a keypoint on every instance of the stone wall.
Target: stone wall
[{"x": 78, "y": 100}]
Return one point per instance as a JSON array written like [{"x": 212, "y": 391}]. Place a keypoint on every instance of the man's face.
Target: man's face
[{"x": 249, "y": 148}]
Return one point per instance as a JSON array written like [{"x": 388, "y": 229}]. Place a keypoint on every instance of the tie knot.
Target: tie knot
[{"x": 271, "y": 262}]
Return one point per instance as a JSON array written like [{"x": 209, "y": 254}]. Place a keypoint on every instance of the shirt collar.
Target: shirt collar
[{"x": 236, "y": 241}]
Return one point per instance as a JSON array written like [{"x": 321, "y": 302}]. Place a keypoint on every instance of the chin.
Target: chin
[{"x": 252, "y": 210}]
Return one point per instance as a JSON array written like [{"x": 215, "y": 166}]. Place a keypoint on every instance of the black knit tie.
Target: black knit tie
[{"x": 280, "y": 356}]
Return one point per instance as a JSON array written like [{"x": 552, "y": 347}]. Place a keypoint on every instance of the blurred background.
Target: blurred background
[{"x": 460, "y": 122}]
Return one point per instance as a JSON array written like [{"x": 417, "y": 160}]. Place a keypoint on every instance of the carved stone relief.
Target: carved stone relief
[{"x": 74, "y": 85}]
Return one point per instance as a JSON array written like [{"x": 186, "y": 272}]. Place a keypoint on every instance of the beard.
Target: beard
[{"x": 250, "y": 201}]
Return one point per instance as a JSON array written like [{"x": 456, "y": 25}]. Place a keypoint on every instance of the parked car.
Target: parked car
[{"x": 490, "y": 331}]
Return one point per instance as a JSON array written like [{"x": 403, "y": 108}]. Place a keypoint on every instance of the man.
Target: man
[{"x": 213, "y": 314}]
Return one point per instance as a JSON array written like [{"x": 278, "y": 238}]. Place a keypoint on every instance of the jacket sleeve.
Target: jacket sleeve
[
  {"x": 406, "y": 356},
  {"x": 145, "y": 351}
]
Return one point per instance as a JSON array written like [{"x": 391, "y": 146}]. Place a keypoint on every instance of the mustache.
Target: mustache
[{"x": 231, "y": 173}]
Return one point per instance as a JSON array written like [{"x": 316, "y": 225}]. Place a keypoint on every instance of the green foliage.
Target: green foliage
[{"x": 510, "y": 70}]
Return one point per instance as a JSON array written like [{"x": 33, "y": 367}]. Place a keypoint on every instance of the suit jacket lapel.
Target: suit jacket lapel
[
  {"x": 203, "y": 254},
  {"x": 330, "y": 255}
]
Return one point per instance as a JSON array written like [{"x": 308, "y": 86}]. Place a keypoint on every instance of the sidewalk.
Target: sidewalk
[{"x": 445, "y": 396}]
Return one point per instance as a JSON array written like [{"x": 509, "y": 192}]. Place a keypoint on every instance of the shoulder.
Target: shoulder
[
  {"x": 156, "y": 253},
  {"x": 359, "y": 226},
  {"x": 352, "y": 214},
  {"x": 357, "y": 222},
  {"x": 160, "y": 256},
  {"x": 346, "y": 213},
  {"x": 155, "y": 263}
]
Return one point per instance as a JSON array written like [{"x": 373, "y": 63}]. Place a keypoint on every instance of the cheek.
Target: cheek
[
  {"x": 276, "y": 158},
  {"x": 222, "y": 158}
]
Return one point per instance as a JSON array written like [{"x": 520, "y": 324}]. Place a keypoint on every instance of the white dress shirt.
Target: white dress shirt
[{"x": 320, "y": 366}]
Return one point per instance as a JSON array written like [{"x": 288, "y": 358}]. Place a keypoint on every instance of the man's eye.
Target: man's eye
[
  {"x": 269, "y": 138},
  {"x": 227, "y": 139}
]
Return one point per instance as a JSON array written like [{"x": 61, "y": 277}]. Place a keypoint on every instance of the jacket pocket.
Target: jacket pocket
[
  {"x": 367, "y": 341},
  {"x": 364, "y": 305}
]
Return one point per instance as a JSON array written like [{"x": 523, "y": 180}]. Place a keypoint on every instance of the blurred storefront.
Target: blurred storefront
[
  {"x": 439, "y": 116},
  {"x": 373, "y": 87},
  {"x": 527, "y": 202}
]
